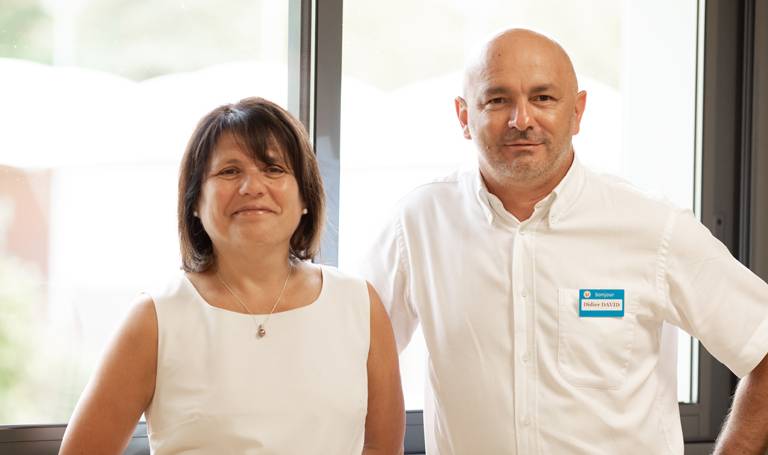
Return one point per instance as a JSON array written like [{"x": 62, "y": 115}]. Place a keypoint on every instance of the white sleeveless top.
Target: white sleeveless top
[{"x": 302, "y": 389}]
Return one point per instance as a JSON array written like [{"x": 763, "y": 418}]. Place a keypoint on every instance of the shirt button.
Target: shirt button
[
  {"x": 524, "y": 293},
  {"x": 525, "y": 421},
  {"x": 524, "y": 357}
]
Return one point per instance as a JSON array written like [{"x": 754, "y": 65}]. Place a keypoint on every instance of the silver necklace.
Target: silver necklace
[{"x": 260, "y": 326}]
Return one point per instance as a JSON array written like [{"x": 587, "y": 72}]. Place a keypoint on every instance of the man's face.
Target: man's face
[{"x": 521, "y": 110}]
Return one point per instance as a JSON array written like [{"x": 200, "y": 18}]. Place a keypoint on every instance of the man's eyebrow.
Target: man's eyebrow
[
  {"x": 501, "y": 90},
  {"x": 543, "y": 88},
  {"x": 494, "y": 90}
]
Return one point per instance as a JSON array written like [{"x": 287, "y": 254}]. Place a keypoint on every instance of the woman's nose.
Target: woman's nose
[{"x": 252, "y": 183}]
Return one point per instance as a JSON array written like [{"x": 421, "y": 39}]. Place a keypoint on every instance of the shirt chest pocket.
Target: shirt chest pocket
[{"x": 593, "y": 351}]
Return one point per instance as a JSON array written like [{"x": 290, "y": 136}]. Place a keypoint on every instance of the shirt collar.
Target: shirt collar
[
  {"x": 567, "y": 191},
  {"x": 483, "y": 195},
  {"x": 559, "y": 200}
]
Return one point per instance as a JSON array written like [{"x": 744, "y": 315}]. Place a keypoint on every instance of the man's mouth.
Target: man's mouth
[{"x": 521, "y": 144}]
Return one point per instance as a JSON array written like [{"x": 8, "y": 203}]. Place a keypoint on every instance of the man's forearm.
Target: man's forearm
[{"x": 746, "y": 430}]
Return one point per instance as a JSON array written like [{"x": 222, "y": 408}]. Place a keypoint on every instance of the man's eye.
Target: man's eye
[
  {"x": 496, "y": 100},
  {"x": 542, "y": 98}
]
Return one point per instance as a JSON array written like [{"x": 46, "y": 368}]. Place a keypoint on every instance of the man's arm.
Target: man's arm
[
  {"x": 386, "y": 268},
  {"x": 746, "y": 429}
]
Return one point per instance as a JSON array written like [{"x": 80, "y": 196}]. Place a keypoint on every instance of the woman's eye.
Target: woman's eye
[
  {"x": 230, "y": 171},
  {"x": 274, "y": 170}
]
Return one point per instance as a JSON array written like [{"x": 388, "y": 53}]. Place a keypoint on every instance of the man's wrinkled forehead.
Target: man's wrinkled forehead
[{"x": 519, "y": 49}]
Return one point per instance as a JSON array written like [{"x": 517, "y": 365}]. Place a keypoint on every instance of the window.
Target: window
[
  {"x": 99, "y": 99},
  {"x": 398, "y": 127},
  {"x": 140, "y": 47}
]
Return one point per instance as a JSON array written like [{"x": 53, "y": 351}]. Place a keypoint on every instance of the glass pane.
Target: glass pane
[
  {"x": 637, "y": 66},
  {"x": 98, "y": 101}
]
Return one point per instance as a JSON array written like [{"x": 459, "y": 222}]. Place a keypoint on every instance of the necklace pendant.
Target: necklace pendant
[{"x": 260, "y": 332}]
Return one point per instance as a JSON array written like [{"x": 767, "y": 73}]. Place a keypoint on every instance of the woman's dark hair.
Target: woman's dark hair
[{"x": 258, "y": 125}]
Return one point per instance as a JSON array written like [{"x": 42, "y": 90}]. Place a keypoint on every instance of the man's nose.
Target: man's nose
[{"x": 520, "y": 118}]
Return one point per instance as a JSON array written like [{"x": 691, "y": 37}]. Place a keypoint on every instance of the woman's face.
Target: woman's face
[{"x": 246, "y": 203}]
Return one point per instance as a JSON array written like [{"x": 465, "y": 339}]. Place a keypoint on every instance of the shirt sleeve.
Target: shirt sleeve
[
  {"x": 385, "y": 265},
  {"x": 713, "y": 296}
]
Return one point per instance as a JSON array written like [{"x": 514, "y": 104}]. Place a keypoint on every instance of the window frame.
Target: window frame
[
  {"x": 734, "y": 152},
  {"x": 718, "y": 191}
]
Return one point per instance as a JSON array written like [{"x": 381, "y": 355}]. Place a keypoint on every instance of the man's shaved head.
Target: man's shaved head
[
  {"x": 517, "y": 38},
  {"x": 521, "y": 106}
]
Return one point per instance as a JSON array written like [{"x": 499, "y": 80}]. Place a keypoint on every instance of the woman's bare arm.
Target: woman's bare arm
[
  {"x": 385, "y": 423},
  {"x": 120, "y": 390}
]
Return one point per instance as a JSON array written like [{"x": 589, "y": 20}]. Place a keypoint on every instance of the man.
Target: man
[{"x": 543, "y": 289}]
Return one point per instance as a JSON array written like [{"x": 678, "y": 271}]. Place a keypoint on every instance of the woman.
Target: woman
[{"x": 252, "y": 349}]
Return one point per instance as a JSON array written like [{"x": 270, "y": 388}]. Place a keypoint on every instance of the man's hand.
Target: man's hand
[{"x": 746, "y": 429}]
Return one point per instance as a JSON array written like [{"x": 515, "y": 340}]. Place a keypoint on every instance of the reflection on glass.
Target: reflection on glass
[
  {"x": 98, "y": 100},
  {"x": 402, "y": 68}
]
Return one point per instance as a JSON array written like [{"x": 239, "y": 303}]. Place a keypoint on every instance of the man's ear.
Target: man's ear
[
  {"x": 461, "y": 114},
  {"x": 578, "y": 111}
]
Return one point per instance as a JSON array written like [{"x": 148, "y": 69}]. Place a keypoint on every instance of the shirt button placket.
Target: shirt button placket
[{"x": 520, "y": 293}]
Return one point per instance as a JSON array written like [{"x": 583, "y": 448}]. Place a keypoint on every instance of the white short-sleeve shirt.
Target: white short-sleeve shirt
[{"x": 520, "y": 360}]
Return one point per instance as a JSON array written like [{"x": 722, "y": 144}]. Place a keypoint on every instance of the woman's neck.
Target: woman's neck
[{"x": 252, "y": 267}]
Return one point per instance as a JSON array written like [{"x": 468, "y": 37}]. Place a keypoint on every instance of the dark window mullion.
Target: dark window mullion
[{"x": 327, "y": 116}]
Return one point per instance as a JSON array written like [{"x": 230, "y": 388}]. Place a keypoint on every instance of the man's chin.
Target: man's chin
[
  {"x": 521, "y": 172},
  {"x": 523, "y": 167},
  {"x": 531, "y": 176}
]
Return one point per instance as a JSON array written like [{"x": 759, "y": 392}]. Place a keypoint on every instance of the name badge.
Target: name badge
[{"x": 601, "y": 303}]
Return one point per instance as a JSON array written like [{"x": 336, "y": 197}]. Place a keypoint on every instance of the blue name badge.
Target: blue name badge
[{"x": 601, "y": 303}]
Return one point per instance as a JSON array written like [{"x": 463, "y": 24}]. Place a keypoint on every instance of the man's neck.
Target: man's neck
[
  {"x": 520, "y": 201},
  {"x": 520, "y": 198}
]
